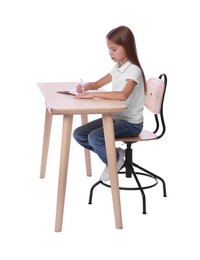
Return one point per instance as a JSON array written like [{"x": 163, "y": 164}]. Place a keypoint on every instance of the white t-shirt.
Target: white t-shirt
[{"x": 135, "y": 102}]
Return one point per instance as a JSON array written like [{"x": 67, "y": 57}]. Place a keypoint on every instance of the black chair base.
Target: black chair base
[{"x": 130, "y": 172}]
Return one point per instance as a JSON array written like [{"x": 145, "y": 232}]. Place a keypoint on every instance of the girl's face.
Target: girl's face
[{"x": 117, "y": 52}]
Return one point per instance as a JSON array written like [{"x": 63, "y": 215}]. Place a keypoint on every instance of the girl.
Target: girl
[{"x": 128, "y": 85}]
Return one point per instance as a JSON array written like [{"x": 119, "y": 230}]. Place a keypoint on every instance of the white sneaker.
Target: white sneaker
[
  {"x": 120, "y": 162},
  {"x": 105, "y": 174},
  {"x": 121, "y": 151}
]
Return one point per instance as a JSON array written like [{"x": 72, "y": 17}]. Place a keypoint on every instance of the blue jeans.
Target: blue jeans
[{"x": 91, "y": 135}]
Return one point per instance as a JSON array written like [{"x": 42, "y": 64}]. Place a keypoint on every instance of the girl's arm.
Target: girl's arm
[
  {"x": 95, "y": 85},
  {"x": 117, "y": 95}
]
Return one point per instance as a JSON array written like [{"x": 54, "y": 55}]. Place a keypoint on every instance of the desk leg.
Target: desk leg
[
  {"x": 45, "y": 147},
  {"x": 112, "y": 164},
  {"x": 84, "y": 119},
  {"x": 64, "y": 158}
]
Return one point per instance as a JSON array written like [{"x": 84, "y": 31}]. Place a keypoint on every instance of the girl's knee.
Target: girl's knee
[{"x": 76, "y": 134}]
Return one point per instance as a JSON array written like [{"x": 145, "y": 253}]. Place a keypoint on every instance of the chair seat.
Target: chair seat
[{"x": 144, "y": 136}]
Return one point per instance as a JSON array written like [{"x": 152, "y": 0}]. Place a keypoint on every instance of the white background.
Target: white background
[{"x": 60, "y": 40}]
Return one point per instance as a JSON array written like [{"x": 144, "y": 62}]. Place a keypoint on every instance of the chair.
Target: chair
[{"x": 154, "y": 100}]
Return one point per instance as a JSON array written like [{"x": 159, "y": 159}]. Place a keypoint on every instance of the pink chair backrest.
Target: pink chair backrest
[{"x": 154, "y": 95}]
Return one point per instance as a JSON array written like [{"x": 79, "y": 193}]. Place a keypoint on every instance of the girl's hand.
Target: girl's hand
[
  {"x": 86, "y": 86},
  {"x": 84, "y": 95},
  {"x": 79, "y": 88}
]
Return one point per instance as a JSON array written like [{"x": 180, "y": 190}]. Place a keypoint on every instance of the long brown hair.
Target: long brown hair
[{"x": 124, "y": 37}]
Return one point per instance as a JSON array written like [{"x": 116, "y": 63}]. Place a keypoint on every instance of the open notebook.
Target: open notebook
[{"x": 74, "y": 92}]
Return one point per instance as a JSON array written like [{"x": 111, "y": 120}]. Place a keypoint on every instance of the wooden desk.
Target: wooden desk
[{"x": 67, "y": 105}]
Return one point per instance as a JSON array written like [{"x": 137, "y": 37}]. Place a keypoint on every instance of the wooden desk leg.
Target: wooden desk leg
[
  {"x": 64, "y": 158},
  {"x": 84, "y": 119},
  {"x": 112, "y": 164},
  {"x": 45, "y": 147}
]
